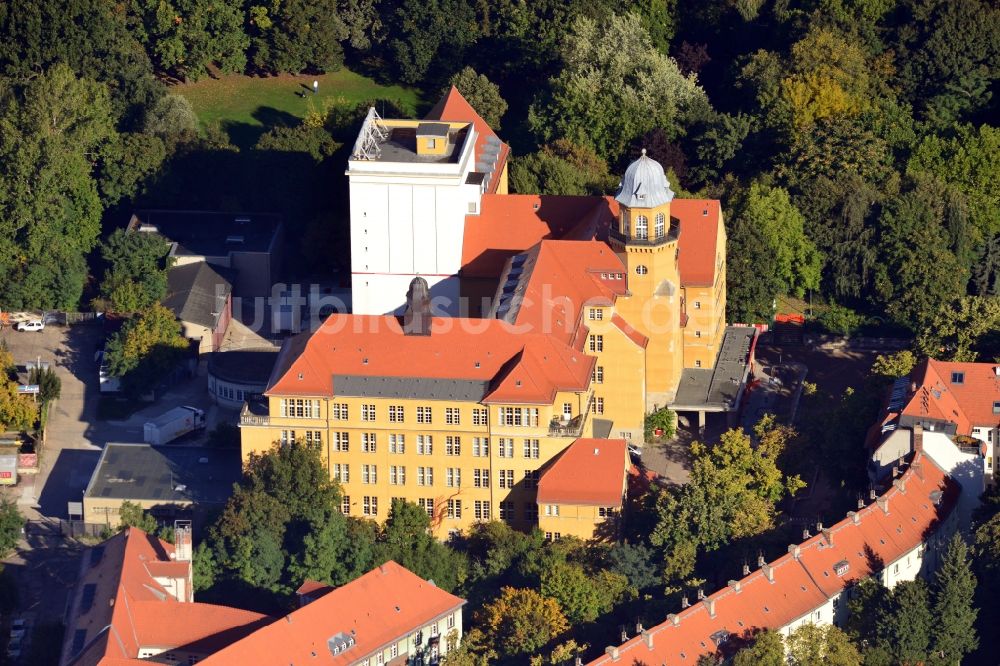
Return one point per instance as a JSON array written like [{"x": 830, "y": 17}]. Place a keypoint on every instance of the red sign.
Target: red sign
[{"x": 5, "y": 475}]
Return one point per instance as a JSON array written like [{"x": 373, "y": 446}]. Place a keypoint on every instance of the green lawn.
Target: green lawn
[{"x": 247, "y": 106}]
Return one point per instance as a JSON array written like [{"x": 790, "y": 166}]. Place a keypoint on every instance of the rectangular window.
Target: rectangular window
[
  {"x": 958, "y": 378},
  {"x": 567, "y": 411},
  {"x": 345, "y": 505},
  {"x": 397, "y": 475},
  {"x": 342, "y": 472},
  {"x": 531, "y": 478},
  {"x": 367, "y": 412},
  {"x": 478, "y": 416},
  {"x": 453, "y": 477},
  {"x": 598, "y": 405},
  {"x": 369, "y": 505},
  {"x": 425, "y": 445},
  {"x": 596, "y": 343},
  {"x": 481, "y": 478},
  {"x": 425, "y": 476},
  {"x": 368, "y": 442},
  {"x": 482, "y": 510},
  {"x": 480, "y": 447},
  {"x": 697, "y": 305},
  {"x": 697, "y": 334},
  {"x": 300, "y": 408},
  {"x": 697, "y": 364},
  {"x": 531, "y": 449},
  {"x": 452, "y": 416},
  {"x": 397, "y": 443},
  {"x": 451, "y": 621},
  {"x": 341, "y": 441},
  {"x": 287, "y": 436},
  {"x": 605, "y": 511},
  {"x": 506, "y": 447},
  {"x": 595, "y": 314},
  {"x": 394, "y": 651},
  {"x": 427, "y": 504},
  {"x": 423, "y": 414},
  {"x": 531, "y": 512},
  {"x": 338, "y": 411},
  {"x": 454, "y": 508},
  {"x": 369, "y": 474},
  {"x": 507, "y": 511},
  {"x": 506, "y": 477},
  {"x": 598, "y": 375},
  {"x": 396, "y": 413},
  {"x": 551, "y": 509},
  {"x": 314, "y": 437},
  {"x": 453, "y": 445}
]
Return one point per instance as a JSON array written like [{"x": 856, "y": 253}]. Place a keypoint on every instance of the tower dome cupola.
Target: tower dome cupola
[{"x": 644, "y": 184}]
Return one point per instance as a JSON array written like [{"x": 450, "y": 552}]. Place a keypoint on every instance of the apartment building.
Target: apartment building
[
  {"x": 134, "y": 601},
  {"x": 900, "y": 535}
]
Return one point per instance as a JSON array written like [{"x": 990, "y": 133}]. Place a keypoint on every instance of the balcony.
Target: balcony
[
  {"x": 571, "y": 428},
  {"x": 255, "y": 413},
  {"x": 673, "y": 233}
]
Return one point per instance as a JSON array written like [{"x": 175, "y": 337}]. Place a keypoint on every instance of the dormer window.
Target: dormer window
[{"x": 958, "y": 378}]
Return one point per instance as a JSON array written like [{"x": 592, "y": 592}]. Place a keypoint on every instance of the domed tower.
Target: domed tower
[{"x": 646, "y": 239}]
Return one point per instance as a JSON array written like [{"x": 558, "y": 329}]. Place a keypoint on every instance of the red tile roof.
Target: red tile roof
[
  {"x": 309, "y": 587},
  {"x": 384, "y": 605},
  {"x": 519, "y": 367},
  {"x": 699, "y": 220},
  {"x": 588, "y": 471},
  {"x": 632, "y": 334},
  {"x": 512, "y": 223},
  {"x": 454, "y": 108},
  {"x": 967, "y": 403},
  {"x": 805, "y": 582},
  {"x": 130, "y": 609}
]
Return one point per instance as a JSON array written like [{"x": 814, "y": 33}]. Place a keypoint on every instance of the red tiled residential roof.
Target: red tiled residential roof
[
  {"x": 520, "y": 367},
  {"x": 310, "y": 586},
  {"x": 131, "y": 610},
  {"x": 588, "y": 471},
  {"x": 512, "y": 223},
  {"x": 804, "y": 581},
  {"x": 967, "y": 403},
  {"x": 632, "y": 334},
  {"x": 382, "y": 606},
  {"x": 699, "y": 220},
  {"x": 452, "y": 107}
]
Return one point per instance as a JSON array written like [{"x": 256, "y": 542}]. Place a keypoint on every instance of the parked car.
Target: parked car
[
  {"x": 635, "y": 450},
  {"x": 31, "y": 325}
]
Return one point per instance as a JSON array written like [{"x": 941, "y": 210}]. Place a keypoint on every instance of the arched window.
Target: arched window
[
  {"x": 661, "y": 225},
  {"x": 641, "y": 270},
  {"x": 641, "y": 227}
]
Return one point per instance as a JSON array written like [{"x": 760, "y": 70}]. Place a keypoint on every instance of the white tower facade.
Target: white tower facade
[{"x": 411, "y": 185}]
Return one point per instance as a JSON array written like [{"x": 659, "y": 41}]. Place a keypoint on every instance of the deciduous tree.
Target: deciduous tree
[
  {"x": 822, "y": 644},
  {"x": 11, "y": 525},
  {"x": 482, "y": 94},
  {"x": 768, "y": 649},
  {"x": 147, "y": 347},
  {"x": 521, "y": 621}
]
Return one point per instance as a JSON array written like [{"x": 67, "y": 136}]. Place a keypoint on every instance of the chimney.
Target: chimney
[
  {"x": 684, "y": 602},
  {"x": 612, "y": 651},
  {"x": 828, "y": 535},
  {"x": 624, "y": 635},
  {"x": 918, "y": 469},
  {"x": 183, "y": 547},
  {"x": 900, "y": 484},
  {"x": 918, "y": 438},
  {"x": 710, "y": 605},
  {"x": 794, "y": 550},
  {"x": 760, "y": 560},
  {"x": 674, "y": 619},
  {"x": 871, "y": 494},
  {"x": 417, "y": 316},
  {"x": 736, "y": 585},
  {"x": 701, "y": 593},
  {"x": 883, "y": 503},
  {"x": 819, "y": 526},
  {"x": 805, "y": 534},
  {"x": 855, "y": 517},
  {"x": 768, "y": 571},
  {"x": 861, "y": 501},
  {"x": 746, "y": 569},
  {"x": 578, "y": 661},
  {"x": 895, "y": 471},
  {"x": 638, "y": 627},
  {"x": 647, "y": 638}
]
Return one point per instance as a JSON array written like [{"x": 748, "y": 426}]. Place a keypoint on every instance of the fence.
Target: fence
[{"x": 78, "y": 528}]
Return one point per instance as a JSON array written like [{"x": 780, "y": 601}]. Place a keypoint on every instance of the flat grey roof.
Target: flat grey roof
[
  {"x": 364, "y": 386},
  {"x": 171, "y": 474},
  {"x": 433, "y": 129},
  {"x": 209, "y": 233},
  {"x": 718, "y": 389},
  {"x": 401, "y": 146}
]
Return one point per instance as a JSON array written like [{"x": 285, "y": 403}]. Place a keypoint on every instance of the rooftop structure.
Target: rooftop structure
[
  {"x": 589, "y": 471},
  {"x": 644, "y": 184},
  {"x": 897, "y": 537}
]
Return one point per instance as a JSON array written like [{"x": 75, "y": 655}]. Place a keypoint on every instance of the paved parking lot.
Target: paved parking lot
[{"x": 75, "y": 436}]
